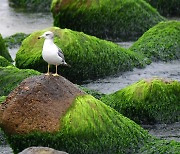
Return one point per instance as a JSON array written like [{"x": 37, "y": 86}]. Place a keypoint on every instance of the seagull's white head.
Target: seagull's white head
[{"x": 47, "y": 35}]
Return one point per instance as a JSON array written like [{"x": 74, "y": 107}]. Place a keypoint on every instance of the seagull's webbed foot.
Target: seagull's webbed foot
[
  {"x": 55, "y": 74},
  {"x": 47, "y": 74}
]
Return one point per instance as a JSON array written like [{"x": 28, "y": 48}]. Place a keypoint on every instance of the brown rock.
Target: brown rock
[
  {"x": 37, "y": 104},
  {"x": 41, "y": 150}
]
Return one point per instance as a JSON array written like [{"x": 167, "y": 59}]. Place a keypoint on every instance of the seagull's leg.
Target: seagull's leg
[
  {"x": 48, "y": 70},
  {"x": 56, "y": 74}
]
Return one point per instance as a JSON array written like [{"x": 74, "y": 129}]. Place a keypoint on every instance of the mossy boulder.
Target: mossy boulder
[
  {"x": 88, "y": 56},
  {"x": 92, "y": 92},
  {"x": 51, "y": 111},
  {"x": 32, "y": 5},
  {"x": 162, "y": 42},
  {"x": 15, "y": 40},
  {"x": 160, "y": 147},
  {"x": 148, "y": 101},
  {"x": 10, "y": 77},
  {"x": 4, "y": 62},
  {"x": 166, "y": 7},
  {"x": 3, "y": 49},
  {"x": 116, "y": 20}
]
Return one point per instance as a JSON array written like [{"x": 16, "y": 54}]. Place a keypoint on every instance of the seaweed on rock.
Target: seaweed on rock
[
  {"x": 162, "y": 42},
  {"x": 116, "y": 20},
  {"x": 160, "y": 147},
  {"x": 69, "y": 120},
  {"x": 15, "y": 40},
  {"x": 2, "y": 98},
  {"x": 4, "y": 62},
  {"x": 89, "y": 56},
  {"x": 148, "y": 101},
  {"x": 11, "y": 76},
  {"x": 92, "y": 92},
  {"x": 88, "y": 126},
  {"x": 3, "y": 50},
  {"x": 32, "y": 5},
  {"x": 166, "y": 7}
]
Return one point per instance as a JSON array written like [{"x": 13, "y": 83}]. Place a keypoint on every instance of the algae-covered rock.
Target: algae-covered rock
[
  {"x": 148, "y": 101},
  {"x": 4, "y": 62},
  {"x": 51, "y": 111},
  {"x": 88, "y": 56},
  {"x": 2, "y": 98},
  {"x": 160, "y": 147},
  {"x": 166, "y": 7},
  {"x": 15, "y": 40},
  {"x": 116, "y": 20},
  {"x": 3, "y": 50},
  {"x": 162, "y": 42},
  {"x": 32, "y": 5},
  {"x": 46, "y": 97},
  {"x": 92, "y": 92},
  {"x": 11, "y": 76}
]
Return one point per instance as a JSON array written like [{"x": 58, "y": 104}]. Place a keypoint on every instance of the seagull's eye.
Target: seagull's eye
[{"x": 47, "y": 34}]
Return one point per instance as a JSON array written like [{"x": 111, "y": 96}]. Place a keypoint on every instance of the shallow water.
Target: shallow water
[
  {"x": 169, "y": 70},
  {"x": 165, "y": 131},
  {"x": 12, "y": 21},
  {"x": 13, "y": 52}
]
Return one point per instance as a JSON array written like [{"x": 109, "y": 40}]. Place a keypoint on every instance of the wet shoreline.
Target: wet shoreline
[
  {"x": 168, "y": 70},
  {"x": 25, "y": 22}
]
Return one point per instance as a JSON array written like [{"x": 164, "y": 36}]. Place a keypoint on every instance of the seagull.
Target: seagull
[{"x": 51, "y": 53}]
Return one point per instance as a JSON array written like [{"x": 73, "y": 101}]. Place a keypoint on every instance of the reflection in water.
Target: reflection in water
[{"x": 26, "y": 22}]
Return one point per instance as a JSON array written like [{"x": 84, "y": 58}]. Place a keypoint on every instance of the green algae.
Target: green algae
[
  {"x": 89, "y": 126},
  {"x": 119, "y": 20},
  {"x": 166, "y": 7},
  {"x": 148, "y": 101},
  {"x": 11, "y": 76},
  {"x": 92, "y": 92},
  {"x": 3, "y": 50},
  {"x": 160, "y": 147},
  {"x": 4, "y": 62},
  {"x": 32, "y": 5},
  {"x": 15, "y": 40},
  {"x": 2, "y": 98},
  {"x": 88, "y": 56},
  {"x": 162, "y": 42}
]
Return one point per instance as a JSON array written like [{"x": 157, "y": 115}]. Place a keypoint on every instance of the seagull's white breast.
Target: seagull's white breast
[{"x": 50, "y": 53}]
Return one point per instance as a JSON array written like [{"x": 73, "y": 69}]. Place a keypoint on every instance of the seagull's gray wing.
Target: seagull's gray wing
[{"x": 60, "y": 53}]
